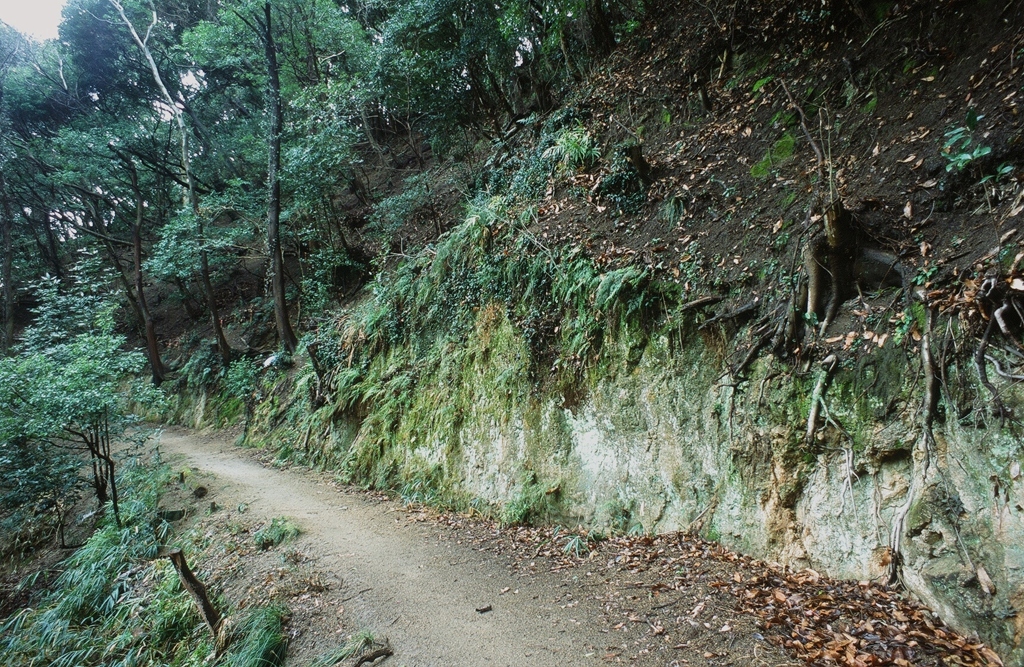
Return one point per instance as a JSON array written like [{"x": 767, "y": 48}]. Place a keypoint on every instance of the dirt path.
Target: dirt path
[
  {"x": 418, "y": 578},
  {"x": 400, "y": 579}
]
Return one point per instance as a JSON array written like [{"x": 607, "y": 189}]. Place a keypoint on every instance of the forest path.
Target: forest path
[{"x": 401, "y": 579}]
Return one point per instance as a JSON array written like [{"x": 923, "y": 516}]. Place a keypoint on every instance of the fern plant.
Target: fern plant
[{"x": 574, "y": 148}]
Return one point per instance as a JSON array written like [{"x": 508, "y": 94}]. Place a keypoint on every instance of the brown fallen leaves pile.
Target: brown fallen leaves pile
[
  {"x": 813, "y": 618},
  {"x": 849, "y": 623}
]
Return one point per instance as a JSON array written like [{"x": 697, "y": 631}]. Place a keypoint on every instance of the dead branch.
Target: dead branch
[
  {"x": 701, "y": 302},
  {"x": 383, "y": 651},
  {"x": 731, "y": 315},
  {"x": 807, "y": 133},
  {"x": 194, "y": 587}
]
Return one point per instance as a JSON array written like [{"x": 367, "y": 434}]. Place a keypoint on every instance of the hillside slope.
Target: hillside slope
[{"x": 759, "y": 276}]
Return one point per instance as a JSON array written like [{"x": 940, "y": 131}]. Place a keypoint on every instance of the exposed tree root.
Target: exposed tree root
[
  {"x": 848, "y": 462},
  {"x": 742, "y": 311},
  {"x": 922, "y": 456},
  {"x": 1001, "y": 373},
  {"x": 979, "y": 363},
  {"x": 829, "y": 365}
]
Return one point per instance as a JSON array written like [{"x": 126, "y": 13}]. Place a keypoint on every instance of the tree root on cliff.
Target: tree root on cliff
[
  {"x": 849, "y": 472},
  {"x": 923, "y": 454},
  {"x": 829, "y": 365},
  {"x": 979, "y": 363}
]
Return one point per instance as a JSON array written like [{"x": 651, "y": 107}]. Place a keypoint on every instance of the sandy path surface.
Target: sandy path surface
[{"x": 402, "y": 581}]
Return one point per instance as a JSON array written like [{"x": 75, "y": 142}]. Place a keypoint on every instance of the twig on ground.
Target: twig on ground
[{"x": 374, "y": 655}]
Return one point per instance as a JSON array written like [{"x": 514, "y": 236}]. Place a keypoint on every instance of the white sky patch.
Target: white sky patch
[{"x": 37, "y": 18}]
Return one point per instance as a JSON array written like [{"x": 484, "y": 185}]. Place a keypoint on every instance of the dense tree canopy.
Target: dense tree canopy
[
  {"x": 175, "y": 147},
  {"x": 186, "y": 129}
]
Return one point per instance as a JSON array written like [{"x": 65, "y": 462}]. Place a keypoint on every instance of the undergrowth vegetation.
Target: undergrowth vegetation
[
  {"x": 488, "y": 306},
  {"x": 117, "y": 604}
]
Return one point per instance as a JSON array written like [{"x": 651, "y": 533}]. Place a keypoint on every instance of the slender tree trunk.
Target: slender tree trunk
[
  {"x": 108, "y": 460},
  {"x": 284, "y": 326},
  {"x": 186, "y": 165},
  {"x": 152, "y": 345},
  {"x": 8, "y": 261},
  {"x": 98, "y": 225},
  {"x": 51, "y": 241}
]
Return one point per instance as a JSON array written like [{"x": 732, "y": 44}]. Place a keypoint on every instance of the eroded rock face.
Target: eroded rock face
[
  {"x": 670, "y": 444},
  {"x": 661, "y": 440}
]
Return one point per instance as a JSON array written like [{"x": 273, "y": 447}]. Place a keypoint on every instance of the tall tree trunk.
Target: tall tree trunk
[
  {"x": 186, "y": 165},
  {"x": 5, "y": 276},
  {"x": 600, "y": 28},
  {"x": 284, "y": 326},
  {"x": 152, "y": 345}
]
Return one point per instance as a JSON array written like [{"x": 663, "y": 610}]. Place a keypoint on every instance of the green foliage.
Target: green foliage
[
  {"x": 358, "y": 643},
  {"x": 176, "y": 254},
  {"x": 260, "y": 640},
  {"x": 203, "y": 369},
  {"x": 960, "y": 148},
  {"x": 532, "y": 503},
  {"x": 673, "y": 210},
  {"x": 780, "y": 150},
  {"x": 760, "y": 83},
  {"x": 320, "y": 282},
  {"x": 623, "y": 187},
  {"x": 395, "y": 357},
  {"x": 277, "y": 531},
  {"x": 925, "y": 274},
  {"x": 116, "y": 605},
  {"x": 574, "y": 148},
  {"x": 241, "y": 378},
  {"x": 95, "y": 604},
  {"x": 66, "y": 384},
  {"x": 37, "y": 481},
  {"x": 391, "y": 213},
  {"x": 577, "y": 545}
]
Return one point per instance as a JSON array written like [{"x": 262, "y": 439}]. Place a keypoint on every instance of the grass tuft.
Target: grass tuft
[
  {"x": 357, "y": 644},
  {"x": 277, "y": 531},
  {"x": 260, "y": 640}
]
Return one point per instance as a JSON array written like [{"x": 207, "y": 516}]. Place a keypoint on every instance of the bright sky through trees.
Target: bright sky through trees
[{"x": 38, "y": 18}]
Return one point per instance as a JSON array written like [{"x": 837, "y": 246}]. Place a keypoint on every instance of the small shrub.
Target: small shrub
[
  {"x": 624, "y": 187},
  {"x": 574, "y": 148},
  {"x": 960, "y": 148},
  {"x": 240, "y": 380}
]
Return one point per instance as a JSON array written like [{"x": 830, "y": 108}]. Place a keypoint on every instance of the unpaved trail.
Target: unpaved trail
[{"x": 400, "y": 580}]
